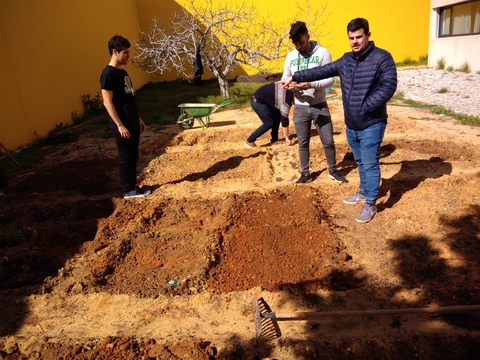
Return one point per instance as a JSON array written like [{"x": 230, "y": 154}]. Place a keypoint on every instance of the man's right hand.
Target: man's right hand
[{"x": 285, "y": 82}]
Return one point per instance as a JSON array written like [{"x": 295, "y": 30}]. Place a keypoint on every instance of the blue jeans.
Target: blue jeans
[
  {"x": 270, "y": 118},
  {"x": 365, "y": 145}
]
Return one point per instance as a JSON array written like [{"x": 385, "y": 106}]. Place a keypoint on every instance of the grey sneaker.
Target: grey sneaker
[
  {"x": 335, "y": 175},
  {"x": 136, "y": 193},
  {"x": 367, "y": 213},
  {"x": 355, "y": 198},
  {"x": 305, "y": 178}
]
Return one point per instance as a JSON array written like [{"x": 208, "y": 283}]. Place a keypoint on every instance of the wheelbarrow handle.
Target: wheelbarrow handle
[{"x": 225, "y": 103}]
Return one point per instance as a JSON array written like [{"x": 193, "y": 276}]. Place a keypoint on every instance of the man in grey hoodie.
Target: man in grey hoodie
[{"x": 310, "y": 101}]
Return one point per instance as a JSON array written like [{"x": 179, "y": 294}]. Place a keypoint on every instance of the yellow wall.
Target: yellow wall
[
  {"x": 53, "y": 51},
  {"x": 399, "y": 27}
]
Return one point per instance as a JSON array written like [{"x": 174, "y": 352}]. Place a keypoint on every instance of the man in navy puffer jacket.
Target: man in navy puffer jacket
[{"x": 368, "y": 78}]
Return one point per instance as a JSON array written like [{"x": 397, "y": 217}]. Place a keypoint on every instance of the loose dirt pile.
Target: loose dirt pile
[{"x": 84, "y": 273}]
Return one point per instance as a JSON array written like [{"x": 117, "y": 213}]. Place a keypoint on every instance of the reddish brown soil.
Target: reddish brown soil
[{"x": 83, "y": 272}]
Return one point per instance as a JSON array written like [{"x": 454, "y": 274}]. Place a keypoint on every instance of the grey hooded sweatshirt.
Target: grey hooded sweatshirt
[{"x": 296, "y": 61}]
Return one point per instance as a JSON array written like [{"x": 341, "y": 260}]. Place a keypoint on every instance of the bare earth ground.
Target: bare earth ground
[{"x": 83, "y": 272}]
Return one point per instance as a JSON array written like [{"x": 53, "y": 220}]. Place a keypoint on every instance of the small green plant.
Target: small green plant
[
  {"x": 441, "y": 63},
  {"x": 423, "y": 59},
  {"x": 75, "y": 118},
  {"x": 408, "y": 61},
  {"x": 13, "y": 238},
  {"x": 398, "y": 96},
  {"x": 464, "y": 67},
  {"x": 58, "y": 128},
  {"x": 449, "y": 68},
  {"x": 92, "y": 105},
  {"x": 442, "y": 90},
  {"x": 478, "y": 72}
]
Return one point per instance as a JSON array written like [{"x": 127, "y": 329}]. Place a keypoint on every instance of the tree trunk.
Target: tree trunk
[{"x": 224, "y": 86}]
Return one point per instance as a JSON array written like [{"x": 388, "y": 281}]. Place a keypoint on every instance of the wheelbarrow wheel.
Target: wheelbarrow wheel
[{"x": 185, "y": 121}]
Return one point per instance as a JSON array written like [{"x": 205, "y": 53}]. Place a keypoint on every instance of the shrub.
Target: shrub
[
  {"x": 441, "y": 63},
  {"x": 464, "y": 67},
  {"x": 423, "y": 59},
  {"x": 92, "y": 105}
]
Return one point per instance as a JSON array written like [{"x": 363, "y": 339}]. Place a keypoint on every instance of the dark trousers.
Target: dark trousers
[
  {"x": 270, "y": 118},
  {"x": 127, "y": 159},
  {"x": 302, "y": 119}
]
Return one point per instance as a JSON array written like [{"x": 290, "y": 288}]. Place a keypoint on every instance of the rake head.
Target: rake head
[{"x": 266, "y": 328}]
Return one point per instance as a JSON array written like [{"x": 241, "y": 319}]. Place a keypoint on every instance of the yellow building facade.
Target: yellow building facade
[{"x": 55, "y": 50}]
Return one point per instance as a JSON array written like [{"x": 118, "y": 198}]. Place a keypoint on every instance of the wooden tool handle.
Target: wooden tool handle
[{"x": 316, "y": 314}]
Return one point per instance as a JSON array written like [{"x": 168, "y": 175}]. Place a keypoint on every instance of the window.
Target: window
[{"x": 460, "y": 19}]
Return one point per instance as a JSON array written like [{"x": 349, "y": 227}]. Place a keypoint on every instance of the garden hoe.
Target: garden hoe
[{"x": 266, "y": 321}]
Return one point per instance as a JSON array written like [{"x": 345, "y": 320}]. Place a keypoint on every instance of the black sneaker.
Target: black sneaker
[
  {"x": 305, "y": 178},
  {"x": 335, "y": 175}
]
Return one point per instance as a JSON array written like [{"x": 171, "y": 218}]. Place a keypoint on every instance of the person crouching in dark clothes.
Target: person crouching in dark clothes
[{"x": 272, "y": 104}]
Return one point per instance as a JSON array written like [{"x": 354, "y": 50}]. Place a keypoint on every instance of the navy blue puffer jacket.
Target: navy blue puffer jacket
[{"x": 367, "y": 84}]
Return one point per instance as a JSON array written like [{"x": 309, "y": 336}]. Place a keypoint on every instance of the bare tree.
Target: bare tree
[{"x": 224, "y": 36}]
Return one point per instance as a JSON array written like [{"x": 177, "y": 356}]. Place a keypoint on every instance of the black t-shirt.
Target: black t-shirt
[{"x": 118, "y": 81}]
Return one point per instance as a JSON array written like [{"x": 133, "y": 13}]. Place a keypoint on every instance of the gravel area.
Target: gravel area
[{"x": 456, "y": 91}]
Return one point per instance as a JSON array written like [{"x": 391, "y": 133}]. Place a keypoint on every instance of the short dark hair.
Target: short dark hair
[
  {"x": 357, "y": 24},
  {"x": 298, "y": 29},
  {"x": 118, "y": 43}
]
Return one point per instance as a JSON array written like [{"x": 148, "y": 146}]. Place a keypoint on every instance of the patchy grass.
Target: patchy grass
[
  {"x": 399, "y": 100},
  {"x": 408, "y": 61},
  {"x": 27, "y": 156},
  {"x": 462, "y": 118},
  {"x": 158, "y": 104}
]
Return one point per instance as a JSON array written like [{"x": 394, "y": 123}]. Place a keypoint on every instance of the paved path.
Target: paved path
[{"x": 459, "y": 92}]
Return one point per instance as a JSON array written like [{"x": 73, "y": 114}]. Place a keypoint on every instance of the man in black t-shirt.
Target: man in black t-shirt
[{"x": 125, "y": 122}]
